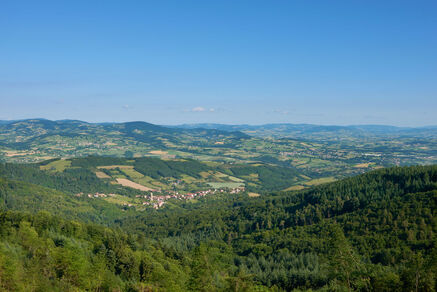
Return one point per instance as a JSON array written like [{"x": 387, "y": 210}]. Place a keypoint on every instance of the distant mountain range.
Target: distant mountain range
[
  {"x": 40, "y": 139},
  {"x": 306, "y": 130},
  {"x": 28, "y": 130},
  {"x": 279, "y": 129},
  {"x": 311, "y": 147}
]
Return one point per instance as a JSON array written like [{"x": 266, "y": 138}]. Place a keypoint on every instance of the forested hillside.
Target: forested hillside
[
  {"x": 79, "y": 174},
  {"x": 370, "y": 232},
  {"x": 22, "y": 196},
  {"x": 47, "y": 253},
  {"x": 384, "y": 220}
]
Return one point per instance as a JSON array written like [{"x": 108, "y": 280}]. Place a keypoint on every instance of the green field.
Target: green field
[
  {"x": 57, "y": 166},
  {"x": 219, "y": 185},
  {"x": 319, "y": 181},
  {"x": 324, "y": 153},
  {"x": 132, "y": 173}
]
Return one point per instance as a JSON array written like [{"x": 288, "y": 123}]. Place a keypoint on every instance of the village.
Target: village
[{"x": 157, "y": 199}]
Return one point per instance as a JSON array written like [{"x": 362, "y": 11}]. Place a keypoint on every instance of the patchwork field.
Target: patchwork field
[
  {"x": 131, "y": 184},
  {"x": 314, "y": 151},
  {"x": 179, "y": 175}
]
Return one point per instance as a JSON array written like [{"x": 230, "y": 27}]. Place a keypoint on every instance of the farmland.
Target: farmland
[
  {"x": 314, "y": 152},
  {"x": 152, "y": 182},
  {"x": 128, "y": 183},
  {"x": 253, "y": 192}
]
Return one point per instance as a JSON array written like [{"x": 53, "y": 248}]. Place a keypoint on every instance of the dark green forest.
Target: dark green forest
[{"x": 372, "y": 232}]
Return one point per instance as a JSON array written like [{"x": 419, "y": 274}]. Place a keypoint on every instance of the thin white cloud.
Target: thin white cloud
[
  {"x": 201, "y": 109},
  {"x": 198, "y": 109}
]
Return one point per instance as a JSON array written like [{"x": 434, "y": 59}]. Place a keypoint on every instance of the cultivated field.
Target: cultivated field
[
  {"x": 58, "y": 165},
  {"x": 158, "y": 152},
  {"x": 231, "y": 185},
  {"x": 128, "y": 183},
  {"x": 295, "y": 188},
  {"x": 101, "y": 174},
  {"x": 115, "y": 166}
]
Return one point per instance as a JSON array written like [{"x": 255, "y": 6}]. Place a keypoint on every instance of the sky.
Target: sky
[{"x": 232, "y": 62}]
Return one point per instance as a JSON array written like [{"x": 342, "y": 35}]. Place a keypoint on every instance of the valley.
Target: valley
[
  {"x": 316, "y": 152},
  {"x": 142, "y": 182},
  {"x": 141, "y": 207}
]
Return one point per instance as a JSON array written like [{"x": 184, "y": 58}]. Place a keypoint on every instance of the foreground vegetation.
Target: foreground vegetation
[{"x": 371, "y": 232}]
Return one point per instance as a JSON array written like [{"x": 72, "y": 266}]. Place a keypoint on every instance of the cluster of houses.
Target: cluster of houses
[
  {"x": 156, "y": 201},
  {"x": 155, "y": 205},
  {"x": 95, "y": 195}
]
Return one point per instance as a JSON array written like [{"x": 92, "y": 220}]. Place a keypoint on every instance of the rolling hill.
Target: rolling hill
[
  {"x": 319, "y": 132},
  {"x": 99, "y": 173},
  {"x": 320, "y": 153},
  {"x": 25, "y": 134}
]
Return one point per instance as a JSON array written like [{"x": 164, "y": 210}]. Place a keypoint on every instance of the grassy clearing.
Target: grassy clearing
[
  {"x": 319, "y": 181},
  {"x": 205, "y": 174},
  {"x": 294, "y": 188},
  {"x": 221, "y": 176},
  {"x": 236, "y": 179},
  {"x": 253, "y": 195},
  {"x": 115, "y": 166},
  {"x": 120, "y": 200},
  {"x": 118, "y": 175},
  {"x": 218, "y": 185},
  {"x": 132, "y": 173},
  {"x": 251, "y": 177},
  {"x": 56, "y": 166},
  {"x": 147, "y": 181},
  {"x": 188, "y": 179}
]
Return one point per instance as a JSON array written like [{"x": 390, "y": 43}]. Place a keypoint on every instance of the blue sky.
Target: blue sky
[{"x": 172, "y": 62}]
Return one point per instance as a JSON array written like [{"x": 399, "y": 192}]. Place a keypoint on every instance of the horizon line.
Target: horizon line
[{"x": 213, "y": 123}]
